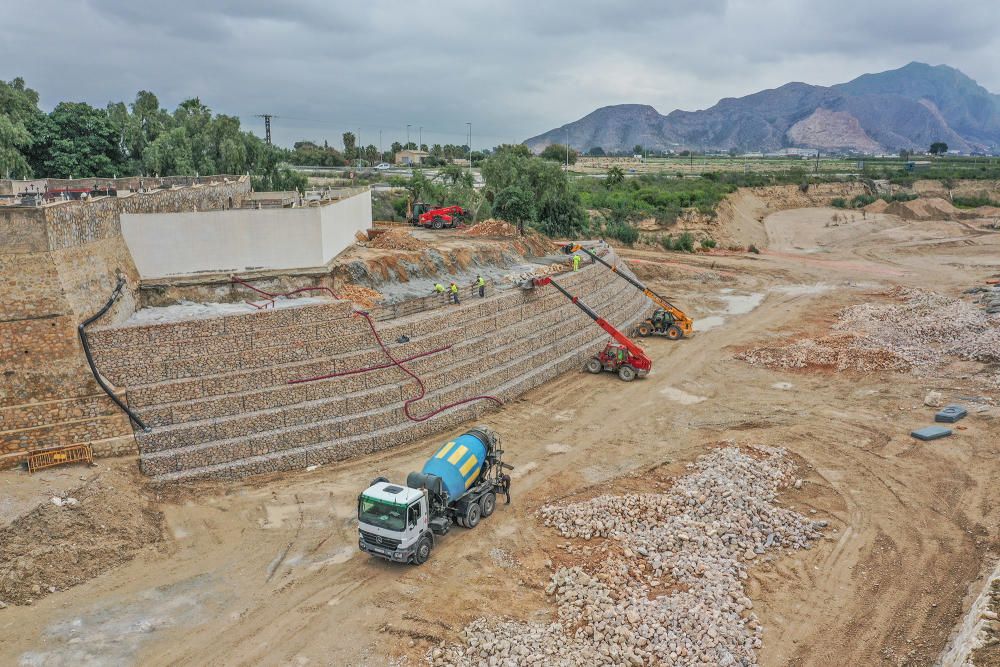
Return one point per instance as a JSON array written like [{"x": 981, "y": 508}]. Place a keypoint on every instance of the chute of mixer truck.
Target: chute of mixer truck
[{"x": 458, "y": 484}]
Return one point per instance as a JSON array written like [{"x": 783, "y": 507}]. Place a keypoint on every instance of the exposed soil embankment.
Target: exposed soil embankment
[{"x": 75, "y": 537}]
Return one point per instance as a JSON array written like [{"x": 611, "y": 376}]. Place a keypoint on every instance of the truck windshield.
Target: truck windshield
[{"x": 381, "y": 514}]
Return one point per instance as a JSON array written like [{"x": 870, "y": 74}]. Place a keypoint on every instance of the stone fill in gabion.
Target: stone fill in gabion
[{"x": 669, "y": 590}]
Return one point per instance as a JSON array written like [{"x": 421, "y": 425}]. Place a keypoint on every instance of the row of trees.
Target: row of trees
[{"x": 76, "y": 139}]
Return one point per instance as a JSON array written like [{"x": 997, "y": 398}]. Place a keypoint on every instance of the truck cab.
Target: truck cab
[{"x": 394, "y": 522}]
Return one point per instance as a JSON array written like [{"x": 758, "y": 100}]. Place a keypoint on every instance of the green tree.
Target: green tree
[
  {"x": 596, "y": 151},
  {"x": 514, "y": 204},
  {"x": 18, "y": 115},
  {"x": 615, "y": 176},
  {"x": 519, "y": 150},
  {"x": 556, "y": 208},
  {"x": 350, "y": 146},
  {"x": 938, "y": 148},
  {"x": 557, "y": 153},
  {"x": 81, "y": 141},
  {"x": 637, "y": 149}
]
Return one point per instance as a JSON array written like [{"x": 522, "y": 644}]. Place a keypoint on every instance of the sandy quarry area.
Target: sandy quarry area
[{"x": 883, "y": 545}]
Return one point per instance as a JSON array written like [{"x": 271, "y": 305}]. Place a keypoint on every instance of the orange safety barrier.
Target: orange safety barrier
[{"x": 59, "y": 456}]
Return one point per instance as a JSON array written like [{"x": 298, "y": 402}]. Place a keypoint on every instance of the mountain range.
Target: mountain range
[{"x": 906, "y": 108}]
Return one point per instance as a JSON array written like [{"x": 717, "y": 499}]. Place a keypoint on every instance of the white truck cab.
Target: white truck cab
[{"x": 393, "y": 522}]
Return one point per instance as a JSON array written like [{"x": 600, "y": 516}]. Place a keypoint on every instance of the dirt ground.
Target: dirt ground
[{"x": 267, "y": 571}]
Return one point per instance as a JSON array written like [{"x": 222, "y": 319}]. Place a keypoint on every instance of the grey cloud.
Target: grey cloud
[{"x": 511, "y": 68}]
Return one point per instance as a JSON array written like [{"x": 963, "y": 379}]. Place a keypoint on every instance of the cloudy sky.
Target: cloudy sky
[{"x": 512, "y": 68}]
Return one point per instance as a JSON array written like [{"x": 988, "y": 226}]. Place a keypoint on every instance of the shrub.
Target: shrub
[
  {"x": 839, "y": 202},
  {"x": 622, "y": 231},
  {"x": 708, "y": 243},
  {"x": 862, "y": 200},
  {"x": 973, "y": 202}
]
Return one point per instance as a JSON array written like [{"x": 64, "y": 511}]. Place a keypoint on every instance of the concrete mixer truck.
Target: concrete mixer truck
[{"x": 458, "y": 484}]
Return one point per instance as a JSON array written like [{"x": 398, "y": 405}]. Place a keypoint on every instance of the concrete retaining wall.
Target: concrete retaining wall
[
  {"x": 216, "y": 389},
  {"x": 237, "y": 241}
]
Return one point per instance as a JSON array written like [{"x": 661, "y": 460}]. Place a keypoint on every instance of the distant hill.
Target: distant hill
[{"x": 906, "y": 108}]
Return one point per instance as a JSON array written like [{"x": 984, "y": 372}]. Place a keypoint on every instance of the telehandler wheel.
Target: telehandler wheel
[
  {"x": 674, "y": 332},
  {"x": 423, "y": 551},
  {"x": 594, "y": 365},
  {"x": 644, "y": 329},
  {"x": 472, "y": 515},
  {"x": 626, "y": 373},
  {"x": 437, "y": 223},
  {"x": 489, "y": 503}
]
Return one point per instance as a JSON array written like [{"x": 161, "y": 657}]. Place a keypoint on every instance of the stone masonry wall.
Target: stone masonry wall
[
  {"x": 58, "y": 265},
  {"x": 216, "y": 390}
]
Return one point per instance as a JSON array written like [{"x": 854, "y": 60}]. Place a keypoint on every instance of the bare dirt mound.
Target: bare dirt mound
[
  {"x": 492, "y": 227},
  {"x": 877, "y": 206},
  {"x": 91, "y": 529},
  {"x": 396, "y": 239},
  {"x": 930, "y": 208}
]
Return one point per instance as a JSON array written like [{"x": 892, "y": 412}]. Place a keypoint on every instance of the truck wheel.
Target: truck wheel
[
  {"x": 489, "y": 502},
  {"x": 644, "y": 329},
  {"x": 472, "y": 515},
  {"x": 594, "y": 365},
  {"x": 423, "y": 551},
  {"x": 674, "y": 332},
  {"x": 437, "y": 223},
  {"x": 626, "y": 373}
]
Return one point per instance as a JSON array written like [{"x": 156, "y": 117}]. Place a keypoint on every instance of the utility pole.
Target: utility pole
[
  {"x": 420, "y": 138},
  {"x": 567, "y": 149},
  {"x": 359, "y": 146},
  {"x": 470, "y": 147},
  {"x": 381, "y": 155},
  {"x": 408, "y": 136},
  {"x": 267, "y": 125},
  {"x": 817, "y": 161}
]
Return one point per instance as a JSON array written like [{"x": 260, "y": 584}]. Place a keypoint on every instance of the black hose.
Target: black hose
[{"x": 81, "y": 329}]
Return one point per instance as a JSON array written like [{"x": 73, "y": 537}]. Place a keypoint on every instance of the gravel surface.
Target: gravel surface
[{"x": 668, "y": 590}]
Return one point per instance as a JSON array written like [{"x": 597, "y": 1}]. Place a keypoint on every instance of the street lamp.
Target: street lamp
[
  {"x": 408, "y": 136},
  {"x": 420, "y": 138}
]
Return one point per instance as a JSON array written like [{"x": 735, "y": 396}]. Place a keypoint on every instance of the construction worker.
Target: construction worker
[
  {"x": 454, "y": 292},
  {"x": 621, "y": 356},
  {"x": 576, "y": 262},
  {"x": 481, "y": 284},
  {"x": 438, "y": 288}
]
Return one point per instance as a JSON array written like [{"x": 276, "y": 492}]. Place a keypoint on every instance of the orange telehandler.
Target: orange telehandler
[{"x": 668, "y": 320}]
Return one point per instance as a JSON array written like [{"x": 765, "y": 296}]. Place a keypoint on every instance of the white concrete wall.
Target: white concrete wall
[
  {"x": 175, "y": 244},
  {"x": 341, "y": 220}
]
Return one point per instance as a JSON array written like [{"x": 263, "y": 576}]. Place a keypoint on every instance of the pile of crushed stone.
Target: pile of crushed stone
[
  {"x": 917, "y": 330},
  {"x": 365, "y": 297},
  {"x": 670, "y": 589},
  {"x": 75, "y": 537}
]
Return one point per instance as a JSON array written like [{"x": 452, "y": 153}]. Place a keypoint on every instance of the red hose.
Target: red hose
[
  {"x": 385, "y": 350},
  {"x": 368, "y": 368},
  {"x": 423, "y": 389}
]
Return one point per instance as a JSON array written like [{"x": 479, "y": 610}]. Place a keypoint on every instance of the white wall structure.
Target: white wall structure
[{"x": 177, "y": 244}]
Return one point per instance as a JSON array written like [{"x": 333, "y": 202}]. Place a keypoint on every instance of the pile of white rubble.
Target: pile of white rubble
[{"x": 670, "y": 589}]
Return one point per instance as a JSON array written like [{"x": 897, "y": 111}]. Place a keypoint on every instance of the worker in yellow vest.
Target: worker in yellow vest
[
  {"x": 481, "y": 284},
  {"x": 576, "y": 262},
  {"x": 454, "y": 292},
  {"x": 438, "y": 288}
]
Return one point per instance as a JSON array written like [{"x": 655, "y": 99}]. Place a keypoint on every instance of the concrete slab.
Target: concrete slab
[
  {"x": 931, "y": 433},
  {"x": 950, "y": 414}
]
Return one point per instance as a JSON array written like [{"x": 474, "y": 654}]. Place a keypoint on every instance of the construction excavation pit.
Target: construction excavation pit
[{"x": 357, "y": 443}]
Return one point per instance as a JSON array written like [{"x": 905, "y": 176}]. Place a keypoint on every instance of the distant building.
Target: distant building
[{"x": 411, "y": 157}]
